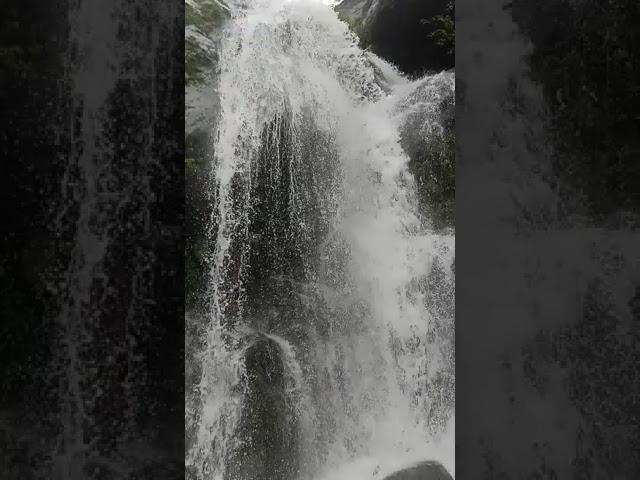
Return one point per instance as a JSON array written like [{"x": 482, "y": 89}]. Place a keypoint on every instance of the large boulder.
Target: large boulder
[
  {"x": 267, "y": 432},
  {"x": 428, "y": 137},
  {"x": 428, "y": 470}
]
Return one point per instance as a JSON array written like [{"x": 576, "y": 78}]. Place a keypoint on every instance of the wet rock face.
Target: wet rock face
[
  {"x": 265, "y": 370},
  {"x": 398, "y": 34},
  {"x": 428, "y": 138},
  {"x": 267, "y": 432},
  {"x": 422, "y": 471}
]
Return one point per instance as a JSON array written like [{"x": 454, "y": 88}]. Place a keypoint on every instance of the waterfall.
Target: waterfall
[{"x": 327, "y": 337}]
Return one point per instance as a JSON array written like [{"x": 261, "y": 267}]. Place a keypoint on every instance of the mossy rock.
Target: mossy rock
[
  {"x": 203, "y": 22},
  {"x": 432, "y": 161},
  {"x": 206, "y": 15}
]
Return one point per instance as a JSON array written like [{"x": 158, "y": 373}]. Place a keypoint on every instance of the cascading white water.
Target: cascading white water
[{"x": 308, "y": 164}]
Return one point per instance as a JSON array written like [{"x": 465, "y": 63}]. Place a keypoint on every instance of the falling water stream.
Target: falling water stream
[{"x": 327, "y": 342}]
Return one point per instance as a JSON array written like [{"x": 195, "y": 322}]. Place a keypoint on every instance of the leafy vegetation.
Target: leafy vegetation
[{"x": 444, "y": 33}]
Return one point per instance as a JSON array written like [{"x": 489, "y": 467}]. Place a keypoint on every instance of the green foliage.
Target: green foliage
[{"x": 444, "y": 33}]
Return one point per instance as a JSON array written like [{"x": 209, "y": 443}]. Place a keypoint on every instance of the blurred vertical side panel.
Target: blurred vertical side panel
[
  {"x": 91, "y": 266},
  {"x": 548, "y": 257}
]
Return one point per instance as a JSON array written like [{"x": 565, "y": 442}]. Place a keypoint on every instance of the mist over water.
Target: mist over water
[{"x": 326, "y": 346}]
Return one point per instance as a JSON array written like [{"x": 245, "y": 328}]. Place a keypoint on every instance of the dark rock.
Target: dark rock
[
  {"x": 264, "y": 367},
  {"x": 428, "y": 470},
  {"x": 268, "y": 428},
  {"x": 432, "y": 152},
  {"x": 400, "y": 32}
]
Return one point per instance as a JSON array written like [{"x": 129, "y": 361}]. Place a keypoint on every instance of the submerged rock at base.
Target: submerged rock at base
[{"x": 428, "y": 470}]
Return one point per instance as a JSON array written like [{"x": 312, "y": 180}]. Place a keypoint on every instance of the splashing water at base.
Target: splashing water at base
[
  {"x": 325, "y": 287},
  {"x": 384, "y": 464}
]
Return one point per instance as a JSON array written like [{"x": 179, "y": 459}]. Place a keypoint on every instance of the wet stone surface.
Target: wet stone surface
[{"x": 427, "y": 470}]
